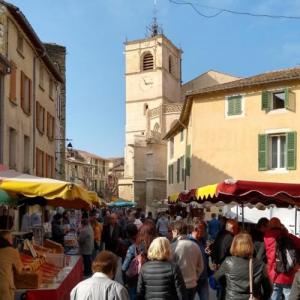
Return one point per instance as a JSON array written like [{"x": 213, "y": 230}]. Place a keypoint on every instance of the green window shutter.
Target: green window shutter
[
  {"x": 182, "y": 168},
  {"x": 169, "y": 174},
  {"x": 291, "y": 150},
  {"x": 178, "y": 170},
  {"x": 188, "y": 160},
  {"x": 290, "y": 100},
  {"x": 265, "y": 100},
  {"x": 172, "y": 174},
  {"x": 262, "y": 152},
  {"x": 234, "y": 105},
  {"x": 230, "y": 106}
]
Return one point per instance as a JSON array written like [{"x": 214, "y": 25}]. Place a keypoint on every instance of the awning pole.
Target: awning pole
[{"x": 243, "y": 223}]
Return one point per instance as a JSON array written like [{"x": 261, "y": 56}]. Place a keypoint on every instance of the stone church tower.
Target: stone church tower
[{"x": 153, "y": 102}]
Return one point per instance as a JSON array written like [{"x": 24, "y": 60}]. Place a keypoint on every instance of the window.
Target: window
[
  {"x": 181, "y": 136},
  {"x": 50, "y": 126},
  {"x": 40, "y": 118},
  {"x": 182, "y": 168},
  {"x": 178, "y": 170},
  {"x": 26, "y": 94},
  {"x": 26, "y": 157},
  {"x": 277, "y": 151},
  {"x": 103, "y": 168},
  {"x": 20, "y": 44},
  {"x": 188, "y": 160},
  {"x": 49, "y": 166},
  {"x": 273, "y": 100},
  {"x": 148, "y": 62},
  {"x": 234, "y": 105},
  {"x": 41, "y": 76},
  {"x": 171, "y": 143},
  {"x": 12, "y": 148},
  {"x": 171, "y": 65},
  {"x": 39, "y": 162},
  {"x": 171, "y": 174},
  {"x": 51, "y": 89},
  {"x": 13, "y": 83}
]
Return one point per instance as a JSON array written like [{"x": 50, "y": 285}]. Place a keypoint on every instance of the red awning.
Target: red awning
[
  {"x": 249, "y": 192},
  {"x": 254, "y": 192}
]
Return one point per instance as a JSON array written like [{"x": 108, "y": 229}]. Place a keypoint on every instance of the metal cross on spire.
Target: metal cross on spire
[{"x": 154, "y": 28}]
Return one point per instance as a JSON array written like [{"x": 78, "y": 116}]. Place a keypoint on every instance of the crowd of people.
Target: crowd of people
[
  {"x": 173, "y": 257},
  {"x": 177, "y": 258}
]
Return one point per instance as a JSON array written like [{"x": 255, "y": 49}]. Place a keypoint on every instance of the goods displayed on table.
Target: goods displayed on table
[{"x": 42, "y": 265}]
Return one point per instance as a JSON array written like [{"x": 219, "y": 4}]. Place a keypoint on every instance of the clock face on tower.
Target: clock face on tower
[{"x": 146, "y": 82}]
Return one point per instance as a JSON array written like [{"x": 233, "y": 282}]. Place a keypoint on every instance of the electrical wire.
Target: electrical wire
[{"x": 224, "y": 10}]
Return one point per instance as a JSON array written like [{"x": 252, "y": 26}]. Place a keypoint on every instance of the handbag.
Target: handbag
[{"x": 251, "y": 280}]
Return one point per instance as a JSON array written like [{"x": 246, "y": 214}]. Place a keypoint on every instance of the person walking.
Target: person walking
[
  {"x": 220, "y": 249},
  {"x": 112, "y": 232},
  {"x": 97, "y": 229},
  {"x": 162, "y": 225},
  {"x": 213, "y": 227},
  {"x": 160, "y": 278},
  {"x": 101, "y": 285},
  {"x": 282, "y": 281},
  {"x": 188, "y": 257},
  {"x": 86, "y": 245},
  {"x": 197, "y": 234},
  {"x": 130, "y": 279},
  {"x": 235, "y": 270}
]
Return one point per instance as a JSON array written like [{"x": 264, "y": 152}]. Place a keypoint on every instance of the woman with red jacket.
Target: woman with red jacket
[{"x": 282, "y": 282}]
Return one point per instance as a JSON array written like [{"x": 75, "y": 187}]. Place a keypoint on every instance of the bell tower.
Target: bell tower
[{"x": 153, "y": 81}]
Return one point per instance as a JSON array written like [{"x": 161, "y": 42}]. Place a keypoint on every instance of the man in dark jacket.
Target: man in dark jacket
[
  {"x": 220, "y": 249},
  {"x": 112, "y": 232},
  {"x": 57, "y": 229}
]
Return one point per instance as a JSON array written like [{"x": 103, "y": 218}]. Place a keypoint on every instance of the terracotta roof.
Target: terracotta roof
[
  {"x": 264, "y": 78},
  {"x": 88, "y": 154},
  {"x": 33, "y": 37}
]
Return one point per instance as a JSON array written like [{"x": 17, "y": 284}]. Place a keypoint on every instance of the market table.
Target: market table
[{"x": 60, "y": 290}]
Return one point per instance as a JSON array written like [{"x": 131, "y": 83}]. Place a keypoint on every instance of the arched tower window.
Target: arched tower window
[
  {"x": 171, "y": 65},
  {"x": 148, "y": 62},
  {"x": 145, "y": 108}
]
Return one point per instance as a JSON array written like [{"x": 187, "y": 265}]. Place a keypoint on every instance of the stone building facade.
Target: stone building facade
[
  {"x": 30, "y": 91},
  {"x": 153, "y": 95},
  {"x": 58, "y": 55}
]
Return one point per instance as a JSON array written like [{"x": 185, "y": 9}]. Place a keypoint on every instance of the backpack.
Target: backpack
[
  {"x": 135, "y": 265},
  {"x": 287, "y": 256}
]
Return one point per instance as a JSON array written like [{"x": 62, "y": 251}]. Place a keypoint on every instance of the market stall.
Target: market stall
[
  {"x": 51, "y": 274},
  {"x": 243, "y": 193},
  {"x": 121, "y": 203}
]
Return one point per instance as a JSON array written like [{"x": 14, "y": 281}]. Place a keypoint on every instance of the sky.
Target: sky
[{"x": 94, "y": 32}]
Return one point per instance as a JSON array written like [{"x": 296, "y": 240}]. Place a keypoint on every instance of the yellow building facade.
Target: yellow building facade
[{"x": 245, "y": 129}]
